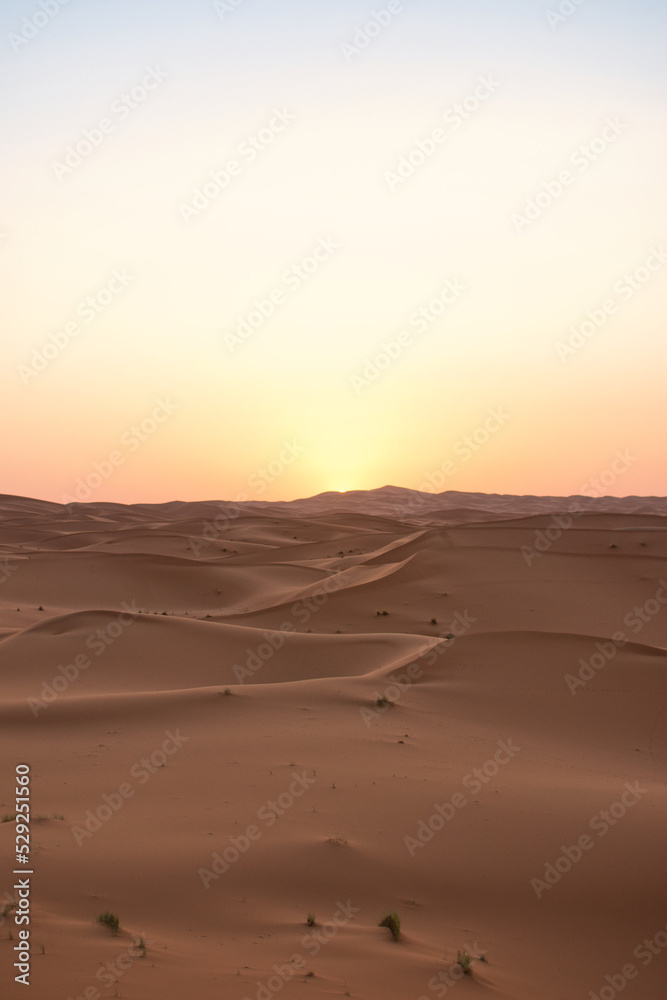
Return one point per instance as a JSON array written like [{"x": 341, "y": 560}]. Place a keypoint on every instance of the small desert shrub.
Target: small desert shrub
[
  {"x": 381, "y": 612},
  {"x": 7, "y": 817},
  {"x": 465, "y": 961},
  {"x": 393, "y": 923},
  {"x": 109, "y": 920},
  {"x": 310, "y": 919},
  {"x": 434, "y": 621},
  {"x": 381, "y": 702}
]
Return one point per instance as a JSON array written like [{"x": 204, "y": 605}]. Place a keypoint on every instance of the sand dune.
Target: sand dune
[
  {"x": 237, "y": 715},
  {"x": 185, "y": 654}
]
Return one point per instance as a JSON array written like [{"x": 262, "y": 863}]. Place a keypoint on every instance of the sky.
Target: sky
[{"x": 260, "y": 250}]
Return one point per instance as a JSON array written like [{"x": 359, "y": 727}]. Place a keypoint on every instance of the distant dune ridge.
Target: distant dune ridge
[
  {"x": 395, "y": 500},
  {"x": 450, "y": 707}
]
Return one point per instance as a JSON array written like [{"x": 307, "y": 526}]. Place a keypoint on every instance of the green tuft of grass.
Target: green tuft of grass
[
  {"x": 465, "y": 961},
  {"x": 109, "y": 920},
  {"x": 393, "y": 923}
]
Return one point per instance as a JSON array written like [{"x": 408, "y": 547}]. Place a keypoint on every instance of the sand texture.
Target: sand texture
[{"x": 195, "y": 687}]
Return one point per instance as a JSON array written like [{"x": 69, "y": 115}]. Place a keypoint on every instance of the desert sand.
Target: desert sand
[{"x": 227, "y": 733}]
